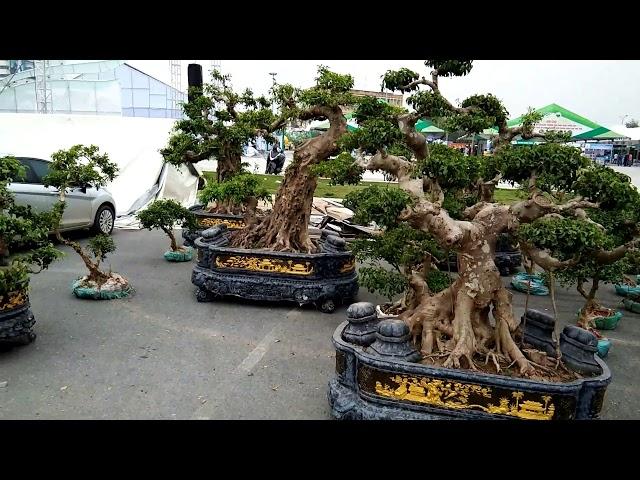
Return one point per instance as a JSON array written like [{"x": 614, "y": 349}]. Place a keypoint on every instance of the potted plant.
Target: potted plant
[
  {"x": 79, "y": 167},
  {"x": 164, "y": 215},
  {"x": 466, "y": 354},
  {"x": 24, "y": 250},
  {"x": 274, "y": 258}
]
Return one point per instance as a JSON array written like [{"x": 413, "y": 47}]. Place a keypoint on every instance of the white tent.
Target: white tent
[
  {"x": 133, "y": 143},
  {"x": 632, "y": 133}
]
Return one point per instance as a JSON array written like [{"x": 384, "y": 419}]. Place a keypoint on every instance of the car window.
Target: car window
[{"x": 35, "y": 168}]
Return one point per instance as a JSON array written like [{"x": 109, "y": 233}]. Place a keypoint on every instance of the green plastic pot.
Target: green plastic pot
[
  {"x": 606, "y": 323},
  {"x": 631, "y": 305},
  {"x": 604, "y": 344},
  {"x": 184, "y": 255}
]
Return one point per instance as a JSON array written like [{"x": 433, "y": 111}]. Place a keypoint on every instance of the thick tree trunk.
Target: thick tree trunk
[
  {"x": 456, "y": 320},
  {"x": 228, "y": 166},
  {"x": 286, "y": 228}
]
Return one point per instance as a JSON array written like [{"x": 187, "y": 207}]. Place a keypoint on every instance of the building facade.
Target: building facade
[{"x": 110, "y": 87}]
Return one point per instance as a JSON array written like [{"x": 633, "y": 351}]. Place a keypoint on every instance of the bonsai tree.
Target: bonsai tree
[
  {"x": 285, "y": 228},
  {"x": 23, "y": 229},
  {"x": 443, "y": 200},
  {"x": 219, "y": 123},
  {"x": 243, "y": 191},
  {"x": 164, "y": 215},
  {"x": 599, "y": 246},
  {"x": 79, "y": 167}
]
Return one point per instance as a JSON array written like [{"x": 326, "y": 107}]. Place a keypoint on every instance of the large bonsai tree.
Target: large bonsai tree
[
  {"x": 219, "y": 123},
  {"x": 78, "y": 167},
  {"x": 285, "y": 228},
  {"x": 165, "y": 215},
  {"x": 450, "y": 197},
  {"x": 26, "y": 232}
]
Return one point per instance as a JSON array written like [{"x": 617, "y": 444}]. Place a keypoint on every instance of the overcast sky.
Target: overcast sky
[{"x": 603, "y": 91}]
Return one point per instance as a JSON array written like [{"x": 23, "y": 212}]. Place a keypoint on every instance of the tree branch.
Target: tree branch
[
  {"x": 544, "y": 259},
  {"x": 606, "y": 257}
]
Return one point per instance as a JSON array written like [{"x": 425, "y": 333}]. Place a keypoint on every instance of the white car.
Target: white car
[{"x": 87, "y": 207}]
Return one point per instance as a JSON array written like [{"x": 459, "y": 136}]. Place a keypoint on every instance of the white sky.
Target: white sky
[{"x": 601, "y": 90}]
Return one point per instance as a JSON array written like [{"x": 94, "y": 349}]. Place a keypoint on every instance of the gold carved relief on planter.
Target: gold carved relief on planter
[
  {"x": 212, "y": 222},
  {"x": 13, "y": 300},
  {"x": 262, "y": 264},
  {"x": 348, "y": 266},
  {"x": 455, "y": 395}
]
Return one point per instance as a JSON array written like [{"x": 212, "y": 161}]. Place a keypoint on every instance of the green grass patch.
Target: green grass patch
[{"x": 324, "y": 190}]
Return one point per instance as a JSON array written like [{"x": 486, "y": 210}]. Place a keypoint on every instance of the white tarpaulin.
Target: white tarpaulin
[{"x": 132, "y": 143}]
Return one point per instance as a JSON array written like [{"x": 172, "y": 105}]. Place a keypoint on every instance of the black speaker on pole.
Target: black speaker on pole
[{"x": 194, "y": 72}]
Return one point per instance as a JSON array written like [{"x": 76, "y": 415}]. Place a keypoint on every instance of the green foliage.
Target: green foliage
[
  {"x": 80, "y": 166},
  {"x": 164, "y": 214},
  {"x": 450, "y": 167},
  {"x": 21, "y": 228},
  {"x": 379, "y": 204},
  {"x": 556, "y": 166},
  {"x": 632, "y": 260},
  {"x": 429, "y": 104},
  {"x": 387, "y": 283},
  {"x": 331, "y": 90},
  {"x": 450, "y": 68},
  {"x": 220, "y": 121},
  {"x": 390, "y": 283},
  {"x": 588, "y": 269},
  {"x": 399, "y": 80},
  {"x": 341, "y": 170},
  {"x": 399, "y": 246},
  {"x": 237, "y": 190},
  {"x": 485, "y": 111},
  {"x": 612, "y": 190},
  {"x": 101, "y": 245},
  {"x": 564, "y": 238}
]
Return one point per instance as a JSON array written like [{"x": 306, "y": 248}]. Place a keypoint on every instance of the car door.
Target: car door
[
  {"x": 78, "y": 209},
  {"x": 30, "y": 190}
]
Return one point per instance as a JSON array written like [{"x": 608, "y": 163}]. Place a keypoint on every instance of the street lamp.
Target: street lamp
[{"x": 273, "y": 105}]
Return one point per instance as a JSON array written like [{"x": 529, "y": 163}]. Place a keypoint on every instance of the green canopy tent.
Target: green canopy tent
[{"x": 557, "y": 118}]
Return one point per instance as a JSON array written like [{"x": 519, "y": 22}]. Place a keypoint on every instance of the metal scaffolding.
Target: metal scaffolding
[
  {"x": 43, "y": 88},
  {"x": 176, "y": 83}
]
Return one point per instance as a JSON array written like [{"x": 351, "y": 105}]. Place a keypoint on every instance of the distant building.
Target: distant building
[
  {"x": 110, "y": 87},
  {"x": 391, "y": 98}
]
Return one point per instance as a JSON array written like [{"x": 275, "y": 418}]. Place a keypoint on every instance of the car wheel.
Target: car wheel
[{"x": 103, "y": 222}]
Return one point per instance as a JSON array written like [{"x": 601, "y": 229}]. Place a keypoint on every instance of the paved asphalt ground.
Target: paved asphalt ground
[{"x": 161, "y": 355}]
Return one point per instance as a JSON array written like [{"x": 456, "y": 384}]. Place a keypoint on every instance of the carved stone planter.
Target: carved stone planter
[
  {"x": 372, "y": 384},
  {"x": 16, "y": 325},
  {"x": 207, "y": 220},
  {"x": 324, "y": 279}
]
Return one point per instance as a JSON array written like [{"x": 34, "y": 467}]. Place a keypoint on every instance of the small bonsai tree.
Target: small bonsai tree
[
  {"x": 243, "y": 191},
  {"x": 600, "y": 245},
  {"x": 22, "y": 228},
  {"x": 77, "y": 167},
  {"x": 165, "y": 215}
]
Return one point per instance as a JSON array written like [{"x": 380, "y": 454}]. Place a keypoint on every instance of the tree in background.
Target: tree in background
[
  {"x": 165, "y": 215},
  {"x": 22, "y": 230}
]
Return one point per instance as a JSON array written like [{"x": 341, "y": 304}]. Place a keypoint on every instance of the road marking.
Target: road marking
[
  {"x": 257, "y": 353},
  {"x": 206, "y": 411}
]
